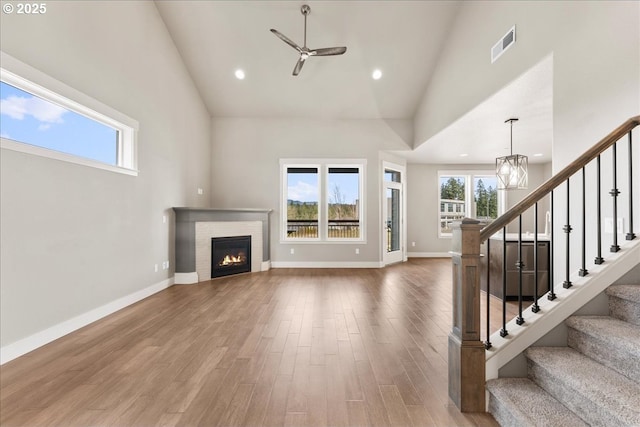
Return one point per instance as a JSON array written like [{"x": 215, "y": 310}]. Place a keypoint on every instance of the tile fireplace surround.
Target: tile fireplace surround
[{"x": 196, "y": 226}]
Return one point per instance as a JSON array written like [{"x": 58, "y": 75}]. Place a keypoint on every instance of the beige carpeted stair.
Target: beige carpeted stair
[{"x": 594, "y": 381}]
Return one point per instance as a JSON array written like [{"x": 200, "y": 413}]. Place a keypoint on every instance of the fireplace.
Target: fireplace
[{"x": 230, "y": 255}]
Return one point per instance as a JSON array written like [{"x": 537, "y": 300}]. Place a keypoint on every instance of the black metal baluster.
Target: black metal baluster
[
  {"x": 567, "y": 229},
  {"x": 615, "y": 193},
  {"x": 552, "y": 294},
  {"x": 503, "y": 331},
  {"x": 630, "y": 235},
  {"x": 535, "y": 308},
  {"x": 583, "y": 271},
  {"x": 599, "y": 260},
  {"x": 520, "y": 266},
  {"x": 487, "y": 343}
]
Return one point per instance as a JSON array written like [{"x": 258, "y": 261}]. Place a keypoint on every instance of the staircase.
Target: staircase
[{"x": 595, "y": 380}]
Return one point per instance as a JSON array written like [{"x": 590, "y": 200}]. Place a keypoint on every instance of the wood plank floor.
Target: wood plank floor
[{"x": 288, "y": 347}]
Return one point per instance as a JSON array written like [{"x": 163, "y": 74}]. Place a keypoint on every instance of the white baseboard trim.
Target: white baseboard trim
[
  {"x": 32, "y": 342},
  {"x": 266, "y": 266},
  {"x": 428, "y": 255},
  {"x": 185, "y": 278},
  {"x": 316, "y": 264}
]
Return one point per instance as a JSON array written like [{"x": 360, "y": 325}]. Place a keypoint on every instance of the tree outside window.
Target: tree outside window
[
  {"x": 485, "y": 197},
  {"x": 452, "y": 198},
  {"x": 466, "y": 194},
  {"x": 323, "y": 201}
]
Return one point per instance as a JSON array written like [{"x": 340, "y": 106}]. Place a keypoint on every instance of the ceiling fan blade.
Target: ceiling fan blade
[
  {"x": 286, "y": 39},
  {"x": 298, "y": 66},
  {"x": 328, "y": 51}
]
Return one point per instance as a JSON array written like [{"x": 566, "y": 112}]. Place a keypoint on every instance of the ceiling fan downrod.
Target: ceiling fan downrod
[{"x": 305, "y": 10}]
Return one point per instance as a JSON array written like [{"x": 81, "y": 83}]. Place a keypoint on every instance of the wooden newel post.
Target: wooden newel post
[{"x": 466, "y": 351}]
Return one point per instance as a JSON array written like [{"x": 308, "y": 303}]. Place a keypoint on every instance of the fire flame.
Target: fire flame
[{"x": 233, "y": 259}]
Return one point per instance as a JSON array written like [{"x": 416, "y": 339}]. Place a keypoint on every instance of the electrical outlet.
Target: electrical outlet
[
  {"x": 357, "y": 251},
  {"x": 293, "y": 251},
  {"x": 413, "y": 244},
  {"x": 155, "y": 268},
  {"x": 200, "y": 191},
  {"x": 164, "y": 219}
]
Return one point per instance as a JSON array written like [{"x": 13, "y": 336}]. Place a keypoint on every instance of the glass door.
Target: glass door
[{"x": 392, "y": 209}]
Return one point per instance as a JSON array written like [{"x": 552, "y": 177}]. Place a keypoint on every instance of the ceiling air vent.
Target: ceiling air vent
[{"x": 503, "y": 44}]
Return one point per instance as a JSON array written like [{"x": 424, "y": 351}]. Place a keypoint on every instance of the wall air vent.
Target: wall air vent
[{"x": 503, "y": 44}]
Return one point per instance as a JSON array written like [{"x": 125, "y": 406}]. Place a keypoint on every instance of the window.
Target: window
[
  {"x": 343, "y": 202},
  {"x": 322, "y": 201},
  {"x": 485, "y": 197},
  {"x": 303, "y": 202},
  {"x": 462, "y": 194},
  {"x": 391, "y": 175},
  {"x": 39, "y": 121}
]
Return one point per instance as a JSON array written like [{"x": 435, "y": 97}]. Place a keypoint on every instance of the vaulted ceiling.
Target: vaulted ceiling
[{"x": 403, "y": 39}]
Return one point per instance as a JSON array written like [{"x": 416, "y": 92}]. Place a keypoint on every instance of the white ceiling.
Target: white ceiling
[
  {"x": 402, "y": 38},
  {"x": 482, "y": 133}
]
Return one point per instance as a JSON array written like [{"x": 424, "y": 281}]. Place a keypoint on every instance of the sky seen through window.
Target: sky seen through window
[{"x": 32, "y": 120}]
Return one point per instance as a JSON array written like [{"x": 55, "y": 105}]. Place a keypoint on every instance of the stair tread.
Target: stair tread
[
  {"x": 626, "y": 292},
  {"x": 604, "y": 387},
  {"x": 615, "y": 332},
  {"x": 530, "y": 404}
]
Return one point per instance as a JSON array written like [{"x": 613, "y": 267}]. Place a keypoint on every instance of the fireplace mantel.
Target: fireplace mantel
[{"x": 185, "y": 237}]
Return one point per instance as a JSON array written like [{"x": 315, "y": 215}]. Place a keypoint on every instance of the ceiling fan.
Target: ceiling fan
[{"x": 304, "y": 51}]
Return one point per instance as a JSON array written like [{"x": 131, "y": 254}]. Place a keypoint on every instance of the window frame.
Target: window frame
[
  {"x": 360, "y": 168},
  {"x": 37, "y": 83},
  {"x": 323, "y": 166},
  {"x": 284, "y": 193},
  {"x": 469, "y": 202}
]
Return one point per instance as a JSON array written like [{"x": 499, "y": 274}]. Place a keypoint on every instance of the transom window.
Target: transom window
[
  {"x": 466, "y": 194},
  {"x": 322, "y": 201},
  {"x": 33, "y": 120},
  {"x": 39, "y": 121}
]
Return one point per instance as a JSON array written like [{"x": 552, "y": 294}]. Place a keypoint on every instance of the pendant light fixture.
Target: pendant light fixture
[{"x": 512, "y": 170}]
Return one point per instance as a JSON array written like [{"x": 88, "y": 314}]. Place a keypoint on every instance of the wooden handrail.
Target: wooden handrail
[{"x": 558, "y": 179}]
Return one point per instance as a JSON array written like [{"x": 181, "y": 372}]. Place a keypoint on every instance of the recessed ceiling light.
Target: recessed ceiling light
[
  {"x": 538, "y": 155},
  {"x": 239, "y": 74},
  {"x": 463, "y": 155},
  {"x": 377, "y": 74}
]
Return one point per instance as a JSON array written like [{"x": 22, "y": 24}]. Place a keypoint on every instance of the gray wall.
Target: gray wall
[
  {"x": 76, "y": 238},
  {"x": 422, "y": 203},
  {"x": 246, "y": 153}
]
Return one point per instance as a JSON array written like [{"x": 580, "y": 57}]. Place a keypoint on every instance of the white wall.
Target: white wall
[
  {"x": 76, "y": 238},
  {"x": 246, "y": 173},
  {"x": 596, "y": 83},
  {"x": 596, "y": 73}
]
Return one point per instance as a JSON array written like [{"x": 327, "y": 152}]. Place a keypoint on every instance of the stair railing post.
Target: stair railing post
[{"x": 466, "y": 351}]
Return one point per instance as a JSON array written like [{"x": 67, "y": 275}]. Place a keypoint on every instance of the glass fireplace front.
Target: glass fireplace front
[{"x": 230, "y": 255}]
